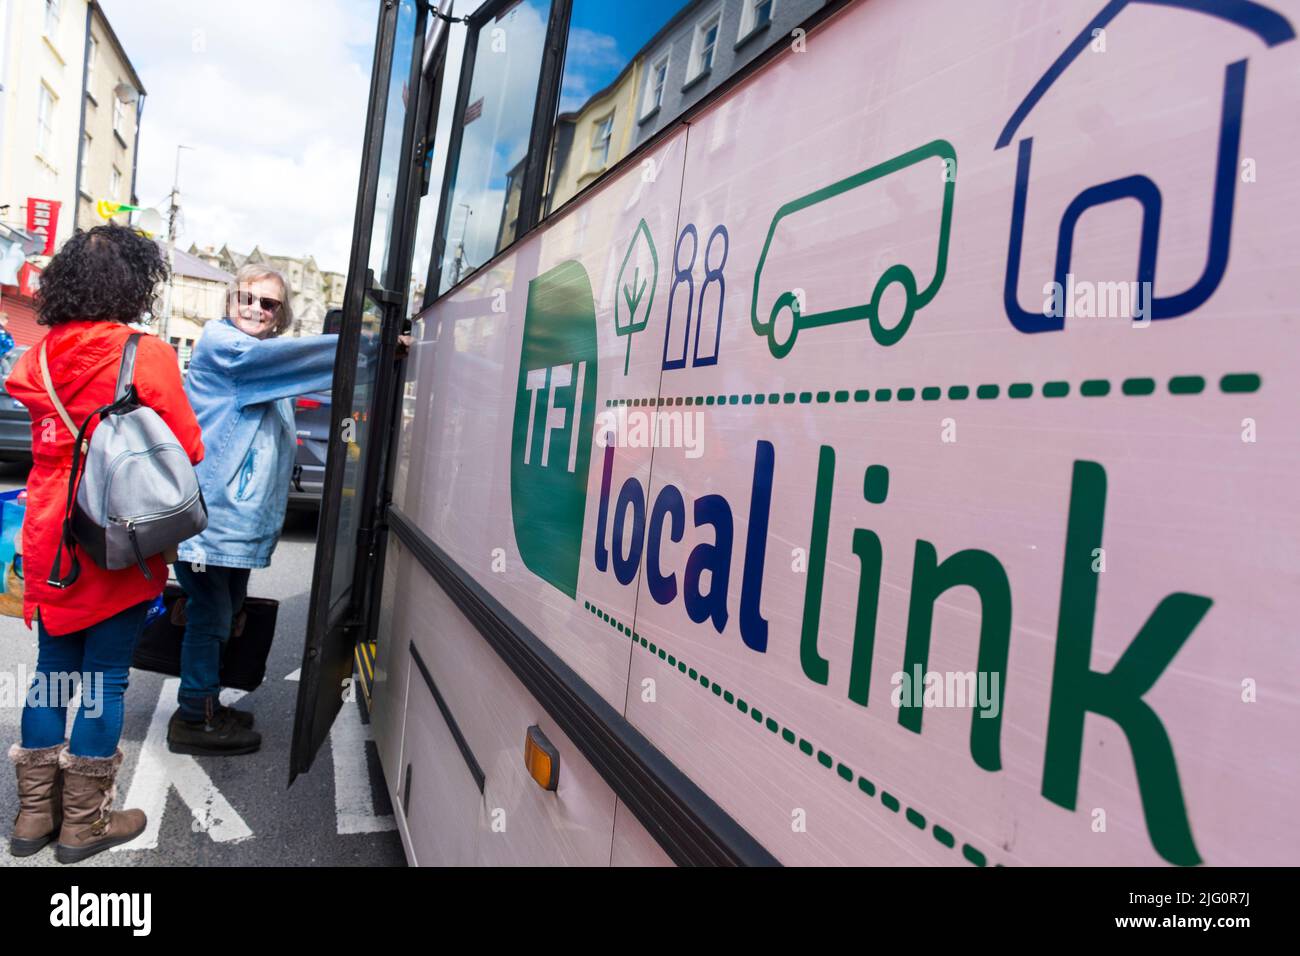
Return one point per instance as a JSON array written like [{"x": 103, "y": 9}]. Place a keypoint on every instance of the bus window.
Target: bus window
[
  {"x": 483, "y": 209},
  {"x": 633, "y": 68},
  {"x": 441, "y": 75},
  {"x": 399, "y": 97},
  {"x": 604, "y": 93}
]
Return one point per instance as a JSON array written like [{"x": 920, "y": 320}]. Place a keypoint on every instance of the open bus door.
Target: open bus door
[{"x": 349, "y": 534}]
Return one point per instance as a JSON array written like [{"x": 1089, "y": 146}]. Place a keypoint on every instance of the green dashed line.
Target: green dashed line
[
  {"x": 974, "y": 855},
  {"x": 1245, "y": 382},
  {"x": 1234, "y": 383},
  {"x": 1186, "y": 385},
  {"x": 806, "y": 747},
  {"x": 1138, "y": 386}
]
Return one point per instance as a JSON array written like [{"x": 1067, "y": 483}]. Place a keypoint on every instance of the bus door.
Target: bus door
[{"x": 365, "y": 380}]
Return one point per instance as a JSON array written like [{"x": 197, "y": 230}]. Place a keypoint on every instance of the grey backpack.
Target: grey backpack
[{"x": 138, "y": 495}]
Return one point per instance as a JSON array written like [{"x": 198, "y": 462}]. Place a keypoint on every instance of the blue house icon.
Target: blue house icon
[{"x": 1272, "y": 28}]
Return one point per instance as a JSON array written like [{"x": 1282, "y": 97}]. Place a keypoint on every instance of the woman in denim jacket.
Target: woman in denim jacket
[{"x": 241, "y": 379}]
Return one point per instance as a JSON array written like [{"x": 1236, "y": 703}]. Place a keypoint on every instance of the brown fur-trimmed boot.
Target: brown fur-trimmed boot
[
  {"x": 40, "y": 806},
  {"x": 90, "y": 824}
]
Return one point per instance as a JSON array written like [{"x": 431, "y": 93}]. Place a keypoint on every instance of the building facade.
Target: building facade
[
  {"x": 589, "y": 140},
  {"x": 70, "y": 105},
  {"x": 43, "y": 49},
  {"x": 706, "y": 42},
  {"x": 313, "y": 291},
  {"x": 197, "y": 295},
  {"x": 114, "y": 98}
]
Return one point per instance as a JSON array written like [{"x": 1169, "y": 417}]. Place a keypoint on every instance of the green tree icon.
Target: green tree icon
[{"x": 632, "y": 289}]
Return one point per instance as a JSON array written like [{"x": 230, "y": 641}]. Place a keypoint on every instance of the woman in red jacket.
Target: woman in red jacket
[{"x": 99, "y": 281}]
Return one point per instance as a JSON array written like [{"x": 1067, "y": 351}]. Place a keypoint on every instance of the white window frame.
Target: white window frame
[
  {"x": 600, "y": 162},
  {"x": 119, "y": 115},
  {"x": 648, "y": 102},
  {"x": 749, "y": 16},
  {"x": 702, "y": 27},
  {"x": 91, "y": 57},
  {"x": 46, "y": 104},
  {"x": 53, "y": 14},
  {"x": 87, "y": 141},
  {"x": 115, "y": 185}
]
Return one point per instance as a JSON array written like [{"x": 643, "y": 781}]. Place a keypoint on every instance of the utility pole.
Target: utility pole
[{"x": 175, "y": 208}]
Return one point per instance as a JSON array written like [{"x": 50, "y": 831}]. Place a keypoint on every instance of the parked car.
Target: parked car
[
  {"x": 312, "y": 420},
  {"x": 15, "y": 422}
]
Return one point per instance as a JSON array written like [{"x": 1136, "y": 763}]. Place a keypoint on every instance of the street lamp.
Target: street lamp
[{"x": 171, "y": 244}]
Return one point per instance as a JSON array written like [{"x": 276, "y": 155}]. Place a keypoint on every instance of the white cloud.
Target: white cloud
[
  {"x": 272, "y": 95},
  {"x": 591, "y": 62}
]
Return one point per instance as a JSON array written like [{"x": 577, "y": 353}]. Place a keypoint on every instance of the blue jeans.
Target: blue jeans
[
  {"x": 213, "y": 597},
  {"x": 101, "y": 656}
]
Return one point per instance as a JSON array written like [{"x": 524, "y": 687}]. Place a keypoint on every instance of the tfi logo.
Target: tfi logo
[{"x": 555, "y": 406}]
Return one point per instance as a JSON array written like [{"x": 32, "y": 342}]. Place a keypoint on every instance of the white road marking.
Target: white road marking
[
  {"x": 354, "y": 806},
  {"x": 294, "y": 676},
  {"x": 158, "y": 769}
]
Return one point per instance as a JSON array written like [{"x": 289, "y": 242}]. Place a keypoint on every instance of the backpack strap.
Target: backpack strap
[
  {"x": 126, "y": 371},
  {"x": 54, "y": 396}
]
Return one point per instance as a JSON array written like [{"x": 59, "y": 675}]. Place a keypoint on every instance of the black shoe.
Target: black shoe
[
  {"x": 223, "y": 735},
  {"x": 241, "y": 717}
]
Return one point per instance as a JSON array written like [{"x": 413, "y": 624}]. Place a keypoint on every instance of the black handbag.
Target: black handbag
[{"x": 243, "y": 656}]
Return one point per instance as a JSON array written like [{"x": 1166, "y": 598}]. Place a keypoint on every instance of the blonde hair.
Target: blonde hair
[{"x": 251, "y": 272}]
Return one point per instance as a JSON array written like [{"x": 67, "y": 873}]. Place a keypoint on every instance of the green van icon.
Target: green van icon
[{"x": 800, "y": 262}]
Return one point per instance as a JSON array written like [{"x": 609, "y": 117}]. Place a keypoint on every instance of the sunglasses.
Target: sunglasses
[{"x": 269, "y": 305}]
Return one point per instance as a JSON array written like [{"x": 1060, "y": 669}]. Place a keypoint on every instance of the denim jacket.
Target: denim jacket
[{"x": 240, "y": 388}]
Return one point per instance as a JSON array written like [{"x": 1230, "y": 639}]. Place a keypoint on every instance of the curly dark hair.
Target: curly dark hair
[{"x": 110, "y": 273}]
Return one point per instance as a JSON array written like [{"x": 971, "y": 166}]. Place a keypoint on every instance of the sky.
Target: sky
[
  {"x": 603, "y": 37},
  {"x": 271, "y": 95}
]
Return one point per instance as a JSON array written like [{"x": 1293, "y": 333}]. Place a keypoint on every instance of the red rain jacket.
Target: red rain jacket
[{"x": 84, "y": 359}]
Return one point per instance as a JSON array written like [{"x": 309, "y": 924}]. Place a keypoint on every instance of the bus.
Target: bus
[{"x": 999, "y": 566}]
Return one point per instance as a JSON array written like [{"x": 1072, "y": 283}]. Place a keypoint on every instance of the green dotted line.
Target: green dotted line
[
  {"x": 1234, "y": 383},
  {"x": 865, "y": 786}
]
